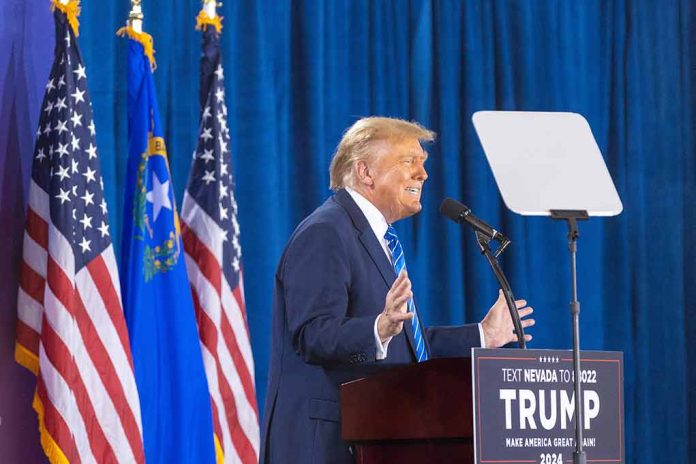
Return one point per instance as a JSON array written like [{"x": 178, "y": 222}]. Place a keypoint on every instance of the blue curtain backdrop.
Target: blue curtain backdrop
[{"x": 298, "y": 73}]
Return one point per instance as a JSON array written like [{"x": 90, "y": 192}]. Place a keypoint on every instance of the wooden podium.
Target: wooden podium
[{"x": 412, "y": 414}]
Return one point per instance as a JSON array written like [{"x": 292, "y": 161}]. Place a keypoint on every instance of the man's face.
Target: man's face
[{"x": 398, "y": 174}]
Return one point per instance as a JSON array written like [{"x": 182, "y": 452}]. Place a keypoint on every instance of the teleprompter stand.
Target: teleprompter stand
[
  {"x": 572, "y": 218},
  {"x": 549, "y": 164}
]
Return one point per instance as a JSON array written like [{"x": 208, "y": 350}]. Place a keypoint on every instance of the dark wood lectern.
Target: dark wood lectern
[{"x": 420, "y": 413}]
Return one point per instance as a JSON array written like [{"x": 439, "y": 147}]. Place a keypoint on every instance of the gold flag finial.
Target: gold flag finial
[
  {"x": 135, "y": 17},
  {"x": 71, "y": 8},
  {"x": 208, "y": 15},
  {"x": 134, "y": 30}
]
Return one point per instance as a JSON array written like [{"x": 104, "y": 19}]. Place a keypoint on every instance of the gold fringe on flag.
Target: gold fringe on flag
[
  {"x": 144, "y": 38},
  {"x": 219, "y": 454},
  {"x": 71, "y": 9},
  {"x": 26, "y": 358},
  {"x": 53, "y": 452},
  {"x": 203, "y": 19}
]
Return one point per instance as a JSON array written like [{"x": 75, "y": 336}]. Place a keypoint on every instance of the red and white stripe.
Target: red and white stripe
[
  {"x": 72, "y": 333},
  {"x": 224, "y": 334}
]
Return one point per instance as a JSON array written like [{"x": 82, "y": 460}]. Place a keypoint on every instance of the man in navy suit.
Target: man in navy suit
[{"x": 339, "y": 309}]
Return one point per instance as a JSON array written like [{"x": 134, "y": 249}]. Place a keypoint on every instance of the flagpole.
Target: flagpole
[
  {"x": 208, "y": 16},
  {"x": 210, "y": 6},
  {"x": 134, "y": 30},
  {"x": 135, "y": 17}
]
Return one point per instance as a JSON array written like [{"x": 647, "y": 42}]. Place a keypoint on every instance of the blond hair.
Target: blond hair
[{"x": 358, "y": 143}]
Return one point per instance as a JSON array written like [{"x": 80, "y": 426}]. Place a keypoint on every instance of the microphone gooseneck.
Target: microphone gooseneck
[{"x": 461, "y": 214}]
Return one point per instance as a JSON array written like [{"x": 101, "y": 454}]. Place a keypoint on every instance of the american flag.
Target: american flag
[
  {"x": 71, "y": 331},
  {"x": 213, "y": 258}
]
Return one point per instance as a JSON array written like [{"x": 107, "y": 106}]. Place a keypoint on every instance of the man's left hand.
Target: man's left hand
[{"x": 497, "y": 326}]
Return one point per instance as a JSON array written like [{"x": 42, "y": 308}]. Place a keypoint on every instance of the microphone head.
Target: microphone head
[{"x": 453, "y": 209}]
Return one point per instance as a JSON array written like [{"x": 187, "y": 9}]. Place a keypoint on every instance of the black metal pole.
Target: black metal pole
[
  {"x": 579, "y": 456},
  {"x": 571, "y": 217}
]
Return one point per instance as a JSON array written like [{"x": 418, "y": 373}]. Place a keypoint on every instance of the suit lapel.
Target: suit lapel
[
  {"x": 367, "y": 237},
  {"x": 374, "y": 249}
]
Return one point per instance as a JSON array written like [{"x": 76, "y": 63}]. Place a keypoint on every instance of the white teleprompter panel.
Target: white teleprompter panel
[{"x": 546, "y": 161}]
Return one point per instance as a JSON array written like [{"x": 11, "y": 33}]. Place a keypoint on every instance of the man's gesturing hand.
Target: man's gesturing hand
[
  {"x": 391, "y": 321},
  {"x": 497, "y": 325}
]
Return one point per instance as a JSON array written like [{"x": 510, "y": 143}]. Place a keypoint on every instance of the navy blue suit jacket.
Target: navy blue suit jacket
[{"x": 330, "y": 285}]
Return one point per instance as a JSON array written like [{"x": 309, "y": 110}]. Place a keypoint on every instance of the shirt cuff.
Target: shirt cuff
[
  {"x": 381, "y": 348},
  {"x": 481, "y": 336}
]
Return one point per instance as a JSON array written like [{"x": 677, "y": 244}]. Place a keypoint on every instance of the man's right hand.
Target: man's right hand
[{"x": 391, "y": 321}]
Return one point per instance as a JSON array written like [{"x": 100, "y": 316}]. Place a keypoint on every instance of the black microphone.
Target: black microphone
[{"x": 460, "y": 213}]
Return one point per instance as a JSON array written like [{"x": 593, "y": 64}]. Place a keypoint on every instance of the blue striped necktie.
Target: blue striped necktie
[{"x": 399, "y": 265}]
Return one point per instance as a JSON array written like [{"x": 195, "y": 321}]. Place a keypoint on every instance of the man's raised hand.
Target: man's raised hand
[
  {"x": 391, "y": 321},
  {"x": 497, "y": 326}
]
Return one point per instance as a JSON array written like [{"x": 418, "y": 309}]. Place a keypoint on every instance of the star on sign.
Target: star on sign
[{"x": 159, "y": 196}]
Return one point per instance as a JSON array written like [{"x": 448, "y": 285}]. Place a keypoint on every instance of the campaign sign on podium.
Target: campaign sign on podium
[{"x": 524, "y": 406}]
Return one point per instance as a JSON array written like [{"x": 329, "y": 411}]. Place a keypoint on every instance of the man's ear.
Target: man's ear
[{"x": 363, "y": 174}]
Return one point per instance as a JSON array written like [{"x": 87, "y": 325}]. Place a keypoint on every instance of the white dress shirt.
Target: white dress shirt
[{"x": 379, "y": 226}]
